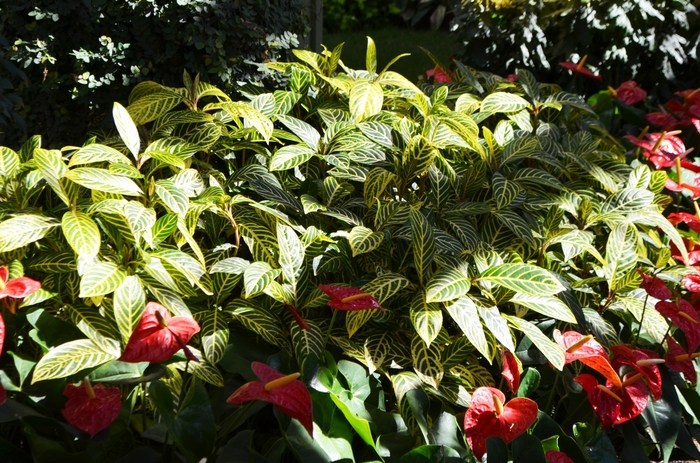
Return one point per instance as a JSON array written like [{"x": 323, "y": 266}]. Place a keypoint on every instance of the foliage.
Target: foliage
[
  {"x": 349, "y": 15},
  {"x": 79, "y": 56},
  {"x": 621, "y": 37},
  {"x": 481, "y": 215}
]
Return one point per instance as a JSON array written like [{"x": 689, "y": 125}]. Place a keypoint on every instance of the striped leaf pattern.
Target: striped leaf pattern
[
  {"x": 103, "y": 278},
  {"x": 500, "y": 102},
  {"x": 386, "y": 285},
  {"x": 366, "y": 99},
  {"x": 215, "y": 334},
  {"x": 497, "y": 325},
  {"x": 126, "y": 128},
  {"x": 423, "y": 244},
  {"x": 22, "y": 230},
  {"x": 363, "y": 240},
  {"x": 463, "y": 311},
  {"x": 82, "y": 234},
  {"x": 550, "y": 349},
  {"x": 426, "y": 362},
  {"x": 447, "y": 285},
  {"x": 545, "y": 305},
  {"x": 426, "y": 318},
  {"x": 101, "y": 180},
  {"x": 129, "y": 303},
  {"x": 524, "y": 278},
  {"x": 69, "y": 358},
  {"x": 257, "y": 277}
]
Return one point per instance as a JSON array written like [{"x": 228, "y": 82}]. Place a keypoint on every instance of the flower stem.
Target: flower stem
[
  {"x": 328, "y": 333},
  {"x": 641, "y": 320},
  {"x": 548, "y": 407}
]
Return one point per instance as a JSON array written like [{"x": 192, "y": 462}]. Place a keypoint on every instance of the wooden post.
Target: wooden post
[{"x": 314, "y": 11}]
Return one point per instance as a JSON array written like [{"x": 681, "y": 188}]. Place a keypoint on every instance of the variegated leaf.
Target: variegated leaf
[
  {"x": 545, "y": 305},
  {"x": 215, "y": 335},
  {"x": 525, "y": 278},
  {"x": 103, "y": 278},
  {"x": 129, "y": 303},
  {"x": 426, "y": 318},
  {"x": 446, "y": 285},
  {"x": 550, "y": 349},
  {"x": 70, "y": 358},
  {"x": 497, "y": 325},
  {"x": 423, "y": 244},
  {"x": 463, "y": 311}
]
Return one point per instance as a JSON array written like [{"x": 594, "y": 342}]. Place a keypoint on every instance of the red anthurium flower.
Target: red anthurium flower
[
  {"x": 692, "y": 282},
  {"x": 614, "y": 404},
  {"x": 655, "y": 287},
  {"x": 696, "y": 123},
  {"x": 347, "y": 298},
  {"x": 510, "y": 371},
  {"x": 673, "y": 186},
  {"x": 662, "y": 149},
  {"x": 438, "y": 75},
  {"x": 285, "y": 392},
  {"x": 665, "y": 120},
  {"x": 679, "y": 360},
  {"x": 693, "y": 252},
  {"x": 488, "y": 416},
  {"x": 158, "y": 336},
  {"x": 685, "y": 317},
  {"x": 512, "y": 77},
  {"x": 643, "y": 362},
  {"x": 691, "y": 220},
  {"x": 557, "y": 457},
  {"x": 579, "y": 68},
  {"x": 91, "y": 409},
  {"x": 630, "y": 93},
  {"x": 588, "y": 351},
  {"x": 16, "y": 288}
]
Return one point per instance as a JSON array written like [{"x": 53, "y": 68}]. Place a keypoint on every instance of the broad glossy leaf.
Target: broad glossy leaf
[
  {"x": 500, "y": 102},
  {"x": 386, "y": 285},
  {"x": 550, "y": 349},
  {"x": 497, "y": 325},
  {"x": 366, "y": 99},
  {"x": 97, "y": 153},
  {"x": 257, "y": 276},
  {"x": 126, "y": 128},
  {"x": 290, "y": 156},
  {"x": 152, "y": 106},
  {"x": 103, "y": 278},
  {"x": 463, "y": 311},
  {"x": 426, "y": 318},
  {"x": 22, "y": 230},
  {"x": 305, "y": 131},
  {"x": 427, "y": 362},
  {"x": 70, "y": 358},
  {"x": 447, "y": 285},
  {"x": 215, "y": 334},
  {"x": 363, "y": 240},
  {"x": 545, "y": 305},
  {"x": 423, "y": 244},
  {"x": 129, "y": 302},
  {"x": 291, "y": 254},
  {"x": 101, "y": 180},
  {"x": 525, "y": 278},
  {"x": 173, "y": 197},
  {"x": 82, "y": 234}
]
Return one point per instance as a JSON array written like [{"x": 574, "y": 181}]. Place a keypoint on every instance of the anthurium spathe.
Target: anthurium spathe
[
  {"x": 677, "y": 359},
  {"x": 489, "y": 416},
  {"x": 630, "y": 93},
  {"x": 654, "y": 286},
  {"x": 510, "y": 371},
  {"x": 662, "y": 149},
  {"x": 685, "y": 317},
  {"x": 615, "y": 404},
  {"x": 91, "y": 408},
  {"x": 3, "y": 394},
  {"x": 16, "y": 288},
  {"x": 643, "y": 362},
  {"x": 557, "y": 457},
  {"x": 588, "y": 351},
  {"x": 285, "y": 392},
  {"x": 580, "y": 68},
  {"x": 158, "y": 336},
  {"x": 348, "y": 298}
]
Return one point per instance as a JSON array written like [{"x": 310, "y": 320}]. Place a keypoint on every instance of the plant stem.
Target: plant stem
[
  {"x": 548, "y": 407},
  {"x": 328, "y": 333},
  {"x": 641, "y": 320}
]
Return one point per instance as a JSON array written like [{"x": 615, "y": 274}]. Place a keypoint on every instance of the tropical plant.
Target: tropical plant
[{"x": 425, "y": 235}]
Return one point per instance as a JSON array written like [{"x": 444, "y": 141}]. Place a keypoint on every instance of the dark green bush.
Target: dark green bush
[
  {"x": 653, "y": 42},
  {"x": 81, "y": 56},
  {"x": 350, "y": 15}
]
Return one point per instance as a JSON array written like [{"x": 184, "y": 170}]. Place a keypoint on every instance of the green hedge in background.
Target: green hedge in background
[{"x": 81, "y": 55}]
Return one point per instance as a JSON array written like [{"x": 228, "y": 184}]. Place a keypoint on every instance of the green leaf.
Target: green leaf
[
  {"x": 103, "y": 278},
  {"x": 290, "y": 156},
  {"x": 363, "y": 240},
  {"x": 463, "y": 311},
  {"x": 546, "y": 305},
  {"x": 97, "y": 153},
  {"x": 308, "y": 345},
  {"x": 305, "y": 131},
  {"x": 22, "y": 230},
  {"x": 101, "y": 180},
  {"x": 620, "y": 255},
  {"x": 70, "y": 358},
  {"x": 366, "y": 99},
  {"x": 447, "y": 285},
  {"x": 82, "y": 234},
  {"x": 96, "y": 327},
  {"x": 386, "y": 285},
  {"x": 551, "y": 350},
  {"x": 504, "y": 191},
  {"x": 376, "y": 184},
  {"x": 497, "y": 325},
  {"x": 232, "y": 265},
  {"x": 9, "y": 162},
  {"x": 127, "y": 129},
  {"x": 356, "y": 320},
  {"x": 215, "y": 334},
  {"x": 427, "y": 362},
  {"x": 627, "y": 201},
  {"x": 665, "y": 416},
  {"x": 173, "y": 197},
  {"x": 257, "y": 276},
  {"x": 500, "y": 102},
  {"x": 529, "y": 382},
  {"x": 524, "y": 278},
  {"x": 129, "y": 304},
  {"x": 150, "y": 107},
  {"x": 426, "y": 318},
  {"x": 422, "y": 243},
  {"x": 291, "y": 254},
  {"x": 371, "y": 57}
]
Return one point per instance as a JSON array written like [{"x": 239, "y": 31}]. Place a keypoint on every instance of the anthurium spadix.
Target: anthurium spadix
[
  {"x": 348, "y": 298},
  {"x": 286, "y": 393}
]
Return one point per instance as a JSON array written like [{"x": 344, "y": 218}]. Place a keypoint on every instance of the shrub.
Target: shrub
[
  {"x": 79, "y": 57},
  {"x": 350, "y": 15},
  {"x": 621, "y": 38},
  {"x": 481, "y": 215}
]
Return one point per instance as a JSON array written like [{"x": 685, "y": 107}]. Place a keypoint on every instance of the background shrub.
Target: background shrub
[
  {"x": 79, "y": 57},
  {"x": 653, "y": 42}
]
